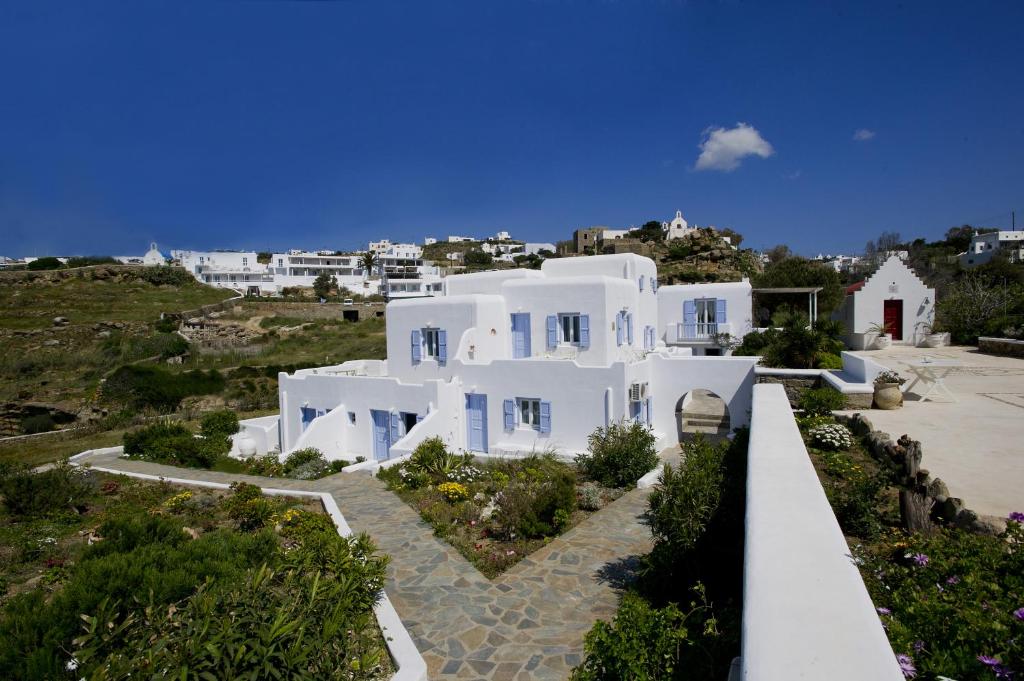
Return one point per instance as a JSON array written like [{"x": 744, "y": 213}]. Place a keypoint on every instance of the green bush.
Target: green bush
[
  {"x": 162, "y": 275},
  {"x": 47, "y": 263},
  {"x": 37, "y": 423},
  {"x": 63, "y": 488},
  {"x": 432, "y": 459},
  {"x": 174, "y": 444},
  {"x": 90, "y": 260},
  {"x": 827, "y": 360},
  {"x": 248, "y": 507},
  {"x": 620, "y": 454},
  {"x": 822, "y": 402},
  {"x": 148, "y": 387},
  {"x": 144, "y": 558},
  {"x": 219, "y": 424},
  {"x": 644, "y": 643},
  {"x": 537, "y": 506}
]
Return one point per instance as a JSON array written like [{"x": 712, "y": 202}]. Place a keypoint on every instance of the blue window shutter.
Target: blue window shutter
[
  {"x": 545, "y": 417},
  {"x": 618, "y": 328},
  {"x": 690, "y": 318},
  {"x": 395, "y": 425},
  {"x": 654, "y": 285},
  {"x": 552, "y": 323},
  {"x": 720, "y": 311},
  {"x": 509, "y": 408},
  {"x": 629, "y": 328},
  {"x": 527, "y": 341},
  {"x": 419, "y": 417},
  {"x": 650, "y": 410},
  {"x": 584, "y": 331},
  {"x": 641, "y": 282},
  {"x": 442, "y": 346},
  {"x": 416, "y": 346}
]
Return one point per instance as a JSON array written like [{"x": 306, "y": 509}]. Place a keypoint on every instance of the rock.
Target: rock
[
  {"x": 190, "y": 532},
  {"x": 878, "y": 442},
  {"x": 860, "y": 425},
  {"x": 60, "y": 321},
  {"x": 174, "y": 360},
  {"x": 52, "y": 342},
  {"x": 949, "y": 509},
  {"x": 937, "y": 488},
  {"x": 980, "y": 524},
  {"x": 103, "y": 334}
]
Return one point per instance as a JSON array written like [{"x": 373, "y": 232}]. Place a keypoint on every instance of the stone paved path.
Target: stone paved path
[{"x": 528, "y": 623}]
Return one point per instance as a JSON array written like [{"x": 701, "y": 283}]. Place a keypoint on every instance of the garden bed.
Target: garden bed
[
  {"x": 951, "y": 601},
  {"x": 101, "y": 572},
  {"x": 496, "y": 512}
]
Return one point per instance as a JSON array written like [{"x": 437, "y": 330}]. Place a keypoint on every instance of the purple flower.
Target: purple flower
[
  {"x": 907, "y": 666},
  {"x": 920, "y": 559},
  {"x": 918, "y": 646},
  {"x": 953, "y": 580},
  {"x": 883, "y": 611},
  {"x": 988, "y": 659},
  {"x": 1017, "y": 516},
  {"x": 1019, "y": 614}
]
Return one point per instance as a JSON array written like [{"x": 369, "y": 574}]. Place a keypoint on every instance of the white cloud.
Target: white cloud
[
  {"x": 862, "y": 134},
  {"x": 723, "y": 149}
]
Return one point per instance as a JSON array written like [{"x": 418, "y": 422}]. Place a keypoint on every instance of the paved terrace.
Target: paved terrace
[
  {"x": 976, "y": 445},
  {"x": 528, "y": 623}
]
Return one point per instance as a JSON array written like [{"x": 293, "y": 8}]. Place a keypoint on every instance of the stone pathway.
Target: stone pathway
[{"x": 528, "y": 623}]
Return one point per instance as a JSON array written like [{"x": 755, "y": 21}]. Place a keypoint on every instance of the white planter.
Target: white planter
[
  {"x": 935, "y": 340},
  {"x": 883, "y": 342}
]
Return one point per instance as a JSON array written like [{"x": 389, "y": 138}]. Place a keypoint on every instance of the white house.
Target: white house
[
  {"x": 698, "y": 316},
  {"x": 677, "y": 228},
  {"x": 508, "y": 362},
  {"x": 984, "y": 246},
  {"x": 893, "y": 296}
]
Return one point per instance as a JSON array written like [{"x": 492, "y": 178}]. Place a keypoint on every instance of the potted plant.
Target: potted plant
[
  {"x": 933, "y": 335},
  {"x": 887, "y": 390},
  {"x": 883, "y": 336}
]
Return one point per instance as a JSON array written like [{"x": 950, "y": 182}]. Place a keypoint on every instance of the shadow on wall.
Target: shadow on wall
[{"x": 701, "y": 411}]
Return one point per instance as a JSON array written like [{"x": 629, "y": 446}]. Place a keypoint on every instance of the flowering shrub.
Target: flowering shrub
[
  {"x": 178, "y": 502},
  {"x": 831, "y": 437},
  {"x": 951, "y": 603},
  {"x": 453, "y": 491},
  {"x": 889, "y": 377}
]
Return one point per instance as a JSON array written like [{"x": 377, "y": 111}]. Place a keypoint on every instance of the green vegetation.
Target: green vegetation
[
  {"x": 795, "y": 346},
  {"x": 792, "y": 272},
  {"x": 174, "y": 444},
  {"x": 497, "y": 512},
  {"x": 950, "y": 600},
  {"x": 47, "y": 263},
  {"x": 152, "y": 387},
  {"x": 619, "y": 454},
  {"x": 151, "y": 598},
  {"x": 821, "y": 401},
  {"x": 302, "y": 464},
  {"x": 681, "y": 619}
]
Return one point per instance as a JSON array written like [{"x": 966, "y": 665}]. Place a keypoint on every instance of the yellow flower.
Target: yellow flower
[{"x": 453, "y": 491}]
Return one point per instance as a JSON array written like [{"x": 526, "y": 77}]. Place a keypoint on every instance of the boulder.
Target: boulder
[
  {"x": 970, "y": 521},
  {"x": 61, "y": 321},
  {"x": 937, "y": 490},
  {"x": 949, "y": 509},
  {"x": 52, "y": 342}
]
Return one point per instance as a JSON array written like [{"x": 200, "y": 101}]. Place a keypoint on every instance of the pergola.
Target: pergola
[{"x": 810, "y": 291}]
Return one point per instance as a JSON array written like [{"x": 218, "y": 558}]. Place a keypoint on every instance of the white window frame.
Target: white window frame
[
  {"x": 431, "y": 340},
  {"x": 569, "y": 328},
  {"x": 528, "y": 412}
]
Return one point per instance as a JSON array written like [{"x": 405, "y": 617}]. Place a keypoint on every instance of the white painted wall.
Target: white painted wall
[
  {"x": 806, "y": 611},
  {"x": 739, "y": 308},
  {"x": 892, "y": 281}
]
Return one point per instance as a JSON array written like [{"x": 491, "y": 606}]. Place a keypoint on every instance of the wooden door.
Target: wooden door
[{"x": 892, "y": 315}]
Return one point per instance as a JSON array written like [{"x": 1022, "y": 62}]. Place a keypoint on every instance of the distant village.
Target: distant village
[{"x": 406, "y": 270}]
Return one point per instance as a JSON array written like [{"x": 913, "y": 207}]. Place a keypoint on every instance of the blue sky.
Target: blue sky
[{"x": 269, "y": 125}]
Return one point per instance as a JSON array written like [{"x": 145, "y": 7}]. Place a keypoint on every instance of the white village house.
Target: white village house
[
  {"x": 894, "y": 297},
  {"x": 988, "y": 244},
  {"x": 513, "y": 361}
]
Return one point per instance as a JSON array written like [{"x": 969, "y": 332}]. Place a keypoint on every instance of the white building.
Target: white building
[
  {"x": 459, "y": 239},
  {"x": 429, "y": 241},
  {"x": 509, "y": 362},
  {"x": 984, "y": 246},
  {"x": 894, "y": 297},
  {"x": 530, "y": 248},
  {"x": 677, "y": 228},
  {"x": 705, "y": 317},
  {"x": 502, "y": 236}
]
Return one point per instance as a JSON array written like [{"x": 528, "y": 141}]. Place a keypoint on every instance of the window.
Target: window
[
  {"x": 245, "y": 262},
  {"x": 280, "y": 262},
  {"x": 706, "y": 311},
  {"x": 569, "y": 325},
  {"x": 431, "y": 342},
  {"x": 529, "y": 412},
  {"x": 352, "y": 417}
]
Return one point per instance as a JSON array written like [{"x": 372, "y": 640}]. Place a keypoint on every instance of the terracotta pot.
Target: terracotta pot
[{"x": 888, "y": 396}]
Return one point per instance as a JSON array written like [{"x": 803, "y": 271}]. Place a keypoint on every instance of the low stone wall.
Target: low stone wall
[
  {"x": 1001, "y": 346},
  {"x": 924, "y": 501},
  {"x": 312, "y": 311},
  {"x": 795, "y": 386}
]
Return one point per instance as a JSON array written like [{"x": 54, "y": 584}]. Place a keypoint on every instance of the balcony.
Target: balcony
[{"x": 678, "y": 332}]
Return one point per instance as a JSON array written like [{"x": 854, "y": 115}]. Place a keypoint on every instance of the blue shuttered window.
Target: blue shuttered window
[
  {"x": 552, "y": 328},
  {"x": 417, "y": 346},
  {"x": 641, "y": 282},
  {"x": 545, "y": 417},
  {"x": 720, "y": 311},
  {"x": 654, "y": 285},
  {"x": 618, "y": 328},
  {"x": 629, "y": 328},
  {"x": 396, "y": 424},
  {"x": 584, "y": 331},
  {"x": 690, "y": 318},
  {"x": 509, "y": 410},
  {"x": 521, "y": 335},
  {"x": 442, "y": 346}
]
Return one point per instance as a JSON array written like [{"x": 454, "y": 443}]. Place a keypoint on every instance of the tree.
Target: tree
[
  {"x": 800, "y": 272},
  {"x": 651, "y": 231},
  {"x": 974, "y": 305},
  {"x": 370, "y": 262},
  {"x": 264, "y": 257},
  {"x": 477, "y": 258},
  {"x": 777, "y": 254},
  {"x": 323, "y": 284},
  {"x": 47, "y": 263},
  {"x": 735, "y": 238}
]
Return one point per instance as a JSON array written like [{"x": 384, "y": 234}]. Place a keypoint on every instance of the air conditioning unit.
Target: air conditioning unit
[{"x": 635, "y": 392}]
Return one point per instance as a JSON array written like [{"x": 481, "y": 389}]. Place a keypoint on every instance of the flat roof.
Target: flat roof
[{"x": 794, "y": 289}]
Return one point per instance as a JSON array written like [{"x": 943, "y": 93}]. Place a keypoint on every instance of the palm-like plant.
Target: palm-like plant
[{"x": 369, "y": 261}]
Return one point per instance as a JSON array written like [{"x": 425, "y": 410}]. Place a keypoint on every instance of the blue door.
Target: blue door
[
  {"x": 308, "y": 414},
  {"x": 476, "y": 422},
  {"x": 381, "y": 434},
  {"x": 520, "y": 335}
]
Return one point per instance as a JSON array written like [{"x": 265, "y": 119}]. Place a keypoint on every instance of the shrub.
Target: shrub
[
  {"x": 28, "y": 493},
  {"x": 162, "y": 275},
  {"x": 300, "y": 457},
  {"x": 37, "y": 423},
  {"x": 831, "y": 437},
  {"x": 528, "y": 507},
  {"x": 432, "y": 459},
  {"x": 589, "y": 497},
  {"x": 827, "y": 360},
  {"x": 644, "y": 643},
  {"x": 47, "y": 263},
  {"x": 248, "y": 507},
  {"x": 453, "y": 491},
  {"x": 142, "y": 387},
  {"x": 620, "y": 454},
  {"x": 821, "y": 402},
  {"x": 889, "y": 377},
  {"x": 174, "y": 444},
  {"x": 179, "y": 502},
  {"x": 222, "y": 423}
]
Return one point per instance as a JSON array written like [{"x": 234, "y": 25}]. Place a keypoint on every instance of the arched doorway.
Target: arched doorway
[{"x": 702, "y": 411}]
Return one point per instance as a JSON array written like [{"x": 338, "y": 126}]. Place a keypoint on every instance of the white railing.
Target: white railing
[
  {"x": 681, "y": 331},
  {"x": 806, "y": 611}
]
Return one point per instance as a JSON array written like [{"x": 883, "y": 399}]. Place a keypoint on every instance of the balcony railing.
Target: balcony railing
[{"x": 681, "y": 332}]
